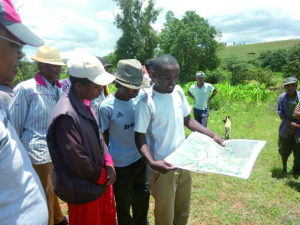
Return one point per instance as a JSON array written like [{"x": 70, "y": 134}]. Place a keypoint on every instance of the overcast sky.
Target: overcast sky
[{"x": 87, "y": 25}]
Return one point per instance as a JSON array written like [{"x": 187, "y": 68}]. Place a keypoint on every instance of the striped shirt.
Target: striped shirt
[{"x": 31, "y": 107}]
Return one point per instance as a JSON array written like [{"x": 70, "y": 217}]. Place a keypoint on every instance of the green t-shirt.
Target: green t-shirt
[
  {"x": 201, "y": 95},
  {"x": 292, "y": 103}
]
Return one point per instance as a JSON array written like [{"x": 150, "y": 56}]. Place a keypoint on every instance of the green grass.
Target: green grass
[
  {"x": 266, "y": 197},
  {"x": 243, "y": 50}
]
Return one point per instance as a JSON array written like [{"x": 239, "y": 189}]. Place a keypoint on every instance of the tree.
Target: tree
[
  {"x": 139, "y": 39},
  {"x": 238, "y": 66},
  {"x": 26, "y": 71},
  {"x": 191, "y": 41},
  {"x": 276, "y": 60},
  {"x": 292, "y": 68}
]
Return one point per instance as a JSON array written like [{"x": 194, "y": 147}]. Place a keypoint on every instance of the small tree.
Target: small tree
[
  {"x": 292, "y": 68},
  {"x": 238, "y": 66},
  {"x": 26, "y": 71}
]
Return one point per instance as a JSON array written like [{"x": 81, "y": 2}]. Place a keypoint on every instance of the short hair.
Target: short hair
[
  {"x": 163, "y": 59},
  {"x": 83, "y": 81},
  {"x": 148, "y": 63}
]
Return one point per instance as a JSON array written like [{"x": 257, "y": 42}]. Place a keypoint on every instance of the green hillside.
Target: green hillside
[{"x": 243, "y": 50}]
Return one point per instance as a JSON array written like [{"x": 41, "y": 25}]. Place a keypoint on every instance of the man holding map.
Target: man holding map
[{"x": 159, "y": 117}]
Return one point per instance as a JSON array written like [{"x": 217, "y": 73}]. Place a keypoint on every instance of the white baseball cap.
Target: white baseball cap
[{"x": 85, "y": 65}]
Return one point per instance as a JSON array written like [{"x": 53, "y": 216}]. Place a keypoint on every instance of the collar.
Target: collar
[{"x": 40, "y": 80}]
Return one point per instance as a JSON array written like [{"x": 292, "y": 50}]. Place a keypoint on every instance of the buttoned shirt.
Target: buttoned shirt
[
  {"x": 283, "y": 112},
  {"x": 31, "y": 107}
]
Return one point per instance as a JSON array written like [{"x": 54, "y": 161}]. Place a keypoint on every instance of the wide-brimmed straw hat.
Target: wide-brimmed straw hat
[
  {"x": 129, "y": 74},
  {"x": 11, "y": 20},
  {"x": 85, "y": 65},
  {"x": 49, "y": 55}
]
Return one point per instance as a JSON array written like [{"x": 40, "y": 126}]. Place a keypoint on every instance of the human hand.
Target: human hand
[
  {"x": 144, "y": 70},
  {"x": 162, "y": 166},
  {"x": 218, "y": 139},
  {"x": 110, "y": 174},
  {"x": 294, "y": 125}
]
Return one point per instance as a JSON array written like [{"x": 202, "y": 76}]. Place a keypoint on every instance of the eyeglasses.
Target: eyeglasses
[{"x": 17, "y": 45}]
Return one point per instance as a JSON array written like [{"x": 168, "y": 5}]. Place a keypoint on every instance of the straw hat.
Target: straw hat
[
  {"x": 49, "y": 55},
  {"x": 85, "y": 65},
  {"x": 129, "y": 73}
]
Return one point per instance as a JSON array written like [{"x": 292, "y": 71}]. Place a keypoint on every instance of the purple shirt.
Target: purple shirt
[{"x": 283, "y": 112}]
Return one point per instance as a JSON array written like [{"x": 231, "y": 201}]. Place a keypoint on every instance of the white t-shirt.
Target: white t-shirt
[
  {"x": 201, "y": 95},
  {"x": 118, "y": 117},
  {"x": 22, "y": 198},
  {"x": 160, "y": 117}
]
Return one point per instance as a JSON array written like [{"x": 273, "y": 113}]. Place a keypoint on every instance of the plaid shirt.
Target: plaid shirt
[{"x": 283, "y": 112}]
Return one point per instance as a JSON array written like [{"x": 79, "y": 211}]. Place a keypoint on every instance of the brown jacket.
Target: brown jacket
[{"x": 77, "y": 151}]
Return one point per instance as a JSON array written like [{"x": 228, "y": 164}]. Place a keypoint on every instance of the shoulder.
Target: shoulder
[
  {"x": 192, "y": 86},
  {"x": 108, "y": 101},
  {"x": 26, "y": 85},
  {"x": 282, "y": 95}
]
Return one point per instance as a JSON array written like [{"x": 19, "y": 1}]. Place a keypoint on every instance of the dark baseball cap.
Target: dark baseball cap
[
  {"x": 290, "y": 80},
  {"x": 10, "y": 19},
  {"x": 104, "y": 62}
]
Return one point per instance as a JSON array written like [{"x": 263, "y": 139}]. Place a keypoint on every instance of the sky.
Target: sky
[{"x": 87, "y": 25}]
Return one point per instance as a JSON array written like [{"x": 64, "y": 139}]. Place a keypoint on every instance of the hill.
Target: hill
[{"x": 243, "y": 50}]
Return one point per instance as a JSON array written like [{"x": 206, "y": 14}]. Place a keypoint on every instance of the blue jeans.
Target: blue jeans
[
  {"x": 131, "y": 189},
  {"x": 201, "y": 116}
]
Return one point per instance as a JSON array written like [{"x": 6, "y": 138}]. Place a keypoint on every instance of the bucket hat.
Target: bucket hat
[
  {"x": 49, "y": 55},
  {"x": 290, "y": 80},
  {"x": 104, "y": 62},
  {"x": 11, "y": 20},
  {"x": 200, "y": 74},
  {"x": 85, "y": 65},
  {"x": 129, "y": 73}
]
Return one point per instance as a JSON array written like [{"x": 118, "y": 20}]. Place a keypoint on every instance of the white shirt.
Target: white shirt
[
  {"x": 201, "y": 95},
  {"x": 118, "y": 117},
  {"x": 22, "y": 198},
  {"x": 161, "y": 118}
]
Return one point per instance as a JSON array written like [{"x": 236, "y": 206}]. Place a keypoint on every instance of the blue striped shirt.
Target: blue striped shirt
[{"x": 30, "y": 110}]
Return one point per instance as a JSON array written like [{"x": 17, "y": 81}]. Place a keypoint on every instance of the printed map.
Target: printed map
[{"x": 201, "y": 154}]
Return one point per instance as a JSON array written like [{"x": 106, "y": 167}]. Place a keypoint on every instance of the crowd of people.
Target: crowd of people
[{"x": 98, "y": 152}]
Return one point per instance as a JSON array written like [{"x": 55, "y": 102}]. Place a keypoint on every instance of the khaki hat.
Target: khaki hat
[
  {"x": 85, "y": 65},
  {"x": 290, "y": 80},
  {"x": 129, "y": 73},
  {"x": 49, "y": 55}
]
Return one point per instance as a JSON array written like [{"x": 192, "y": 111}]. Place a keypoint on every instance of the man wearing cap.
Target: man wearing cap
[
  {"x": 289, "y": 132},
  {"x": 116, "y": 114},
  {"x": 31, "y": 107},
  {"x": 22, "y": 198},
  {"x": 83, "y": 169},
  {"x": 200, "y": 93},
  {"x": 159, "y": 131}
]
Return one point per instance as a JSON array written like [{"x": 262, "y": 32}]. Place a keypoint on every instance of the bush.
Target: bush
[{"x": 214, "y": 76}]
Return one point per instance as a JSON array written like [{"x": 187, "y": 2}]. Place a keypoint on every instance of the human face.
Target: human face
[
  {"x": 90, "y": 91},
  {"x": 200, "y": 81},
  {"x": 50, "y": 72},
  {"x": 125, "y": 94},
  {"x": 150, "y": 72},
  {"x": 10, "y": 52},
  {"x": 166, "y": 78},
  {"x": 291, "y": 89}
]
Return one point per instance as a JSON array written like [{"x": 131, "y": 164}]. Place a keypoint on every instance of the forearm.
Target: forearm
[
  {"x": 193, "y": 125},
  {"x": 191, "y": 95},
  {"x": 143, "y": 148},
  {"x": 213, "y": 95}
]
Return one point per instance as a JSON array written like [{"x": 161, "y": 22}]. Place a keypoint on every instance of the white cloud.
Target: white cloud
[{"x": 103, "y": 15}]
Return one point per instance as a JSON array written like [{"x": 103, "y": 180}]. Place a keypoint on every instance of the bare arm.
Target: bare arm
[
  {"x": 213, "y": 94},
  {"x": 161, "y": 165},
  {"x": 193, "y": 125},
  {"x": 191, "y": 95}
]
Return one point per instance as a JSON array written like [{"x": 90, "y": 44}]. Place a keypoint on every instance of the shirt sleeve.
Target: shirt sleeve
[
  {"x": 72, "y": 150},
  {"x": 104, "y": 118},
  {"x": 280, "y": 107},
  {"x": 210, "y": 88},
  {"x": 19, "y": 109},
  {"x": 142, "y": 118},
  {"x": 192, "y": 88},
  {"x": 186, "y": 108}
]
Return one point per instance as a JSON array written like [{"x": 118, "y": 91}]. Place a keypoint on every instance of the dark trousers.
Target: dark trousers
[
  {"x": 131, "y": 188},
  {"x": 201, "y": 116}
]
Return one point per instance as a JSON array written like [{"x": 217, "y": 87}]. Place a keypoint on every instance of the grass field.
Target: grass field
[{"x": 243, "y": 50}]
